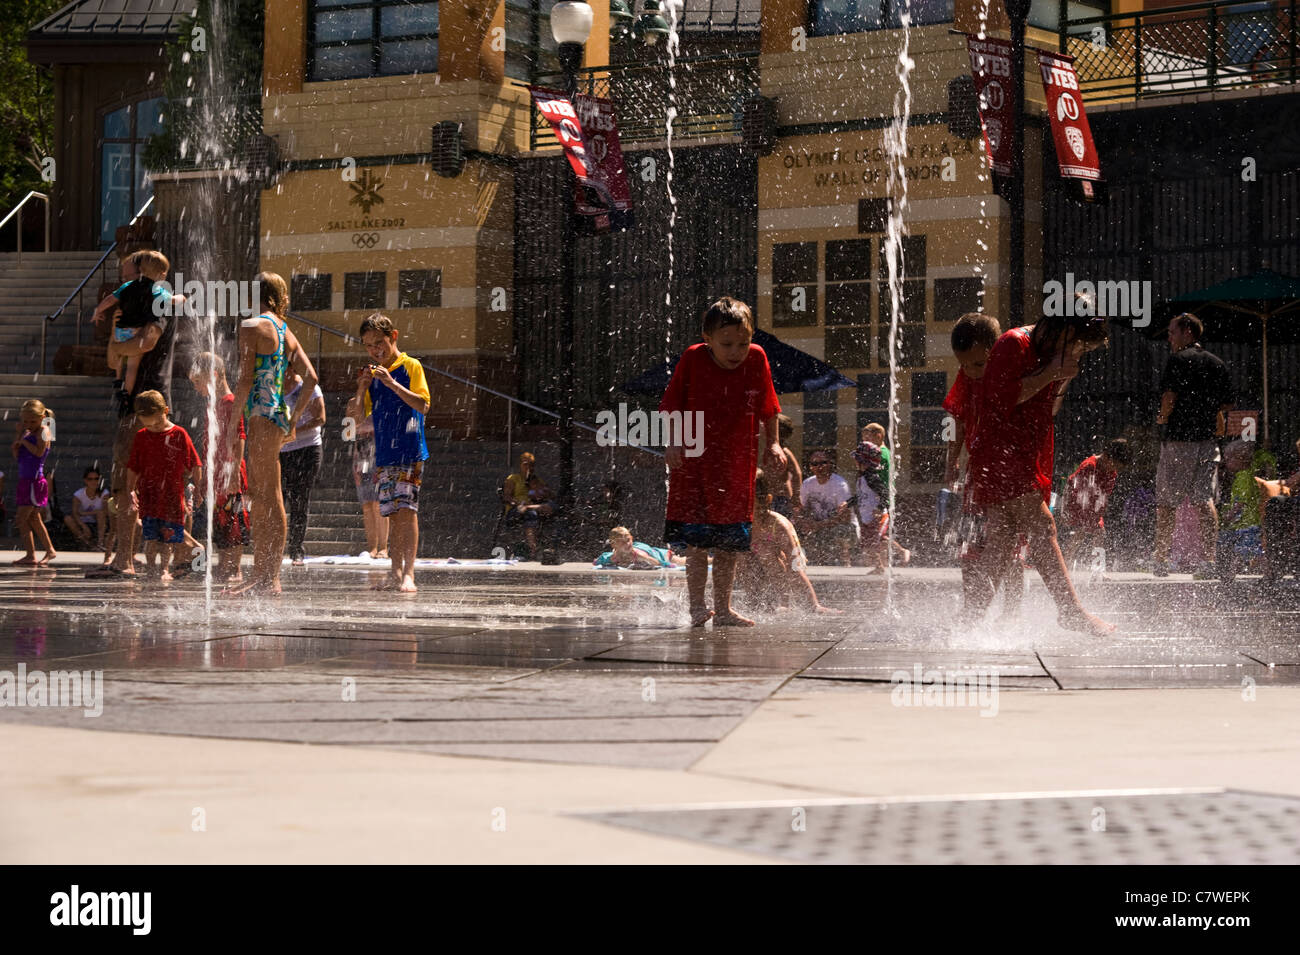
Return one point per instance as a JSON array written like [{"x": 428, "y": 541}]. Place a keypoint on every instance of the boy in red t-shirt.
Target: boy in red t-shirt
[
  {"x": 973, "y": 338},
  {"x": 162, "y": 462},
  {"x": 722, "y": 391},
  {"x": 1011, "y": 458},
  {"x": 1090, "y": 486},
  {"x": 229, "y": 482}
]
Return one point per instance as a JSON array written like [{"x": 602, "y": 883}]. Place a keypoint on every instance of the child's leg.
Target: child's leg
[
  {"x": 991, "y": 565},
  {"x": 132, "y": 369},
  {"x": 42, "y": 535},
  {"x": 269, "y": 523},
  {"x": 724, "y": 576},
  {"x": 23, "y": 523},
  {"x": 228, "y": 562},
  {"x": 383, "y": 528},
  {"x": 150, "y": 553},
  {"x": 697, "y": 575},
  {"x": 370, "y": 514},
  {"x": 406, "y": 539},
  {"x": 1046, "y": 555}
]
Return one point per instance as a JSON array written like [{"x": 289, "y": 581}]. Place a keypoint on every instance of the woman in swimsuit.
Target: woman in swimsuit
[{"x": 267, "y": 350}]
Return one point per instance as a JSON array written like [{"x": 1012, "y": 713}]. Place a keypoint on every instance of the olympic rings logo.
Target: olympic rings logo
[{"x": 366, "y": 240}]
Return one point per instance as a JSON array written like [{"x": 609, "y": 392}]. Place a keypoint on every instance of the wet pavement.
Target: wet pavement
[{"x": 567, "y": 664}]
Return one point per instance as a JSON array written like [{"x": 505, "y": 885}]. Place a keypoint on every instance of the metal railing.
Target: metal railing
[
  {"x": 709, "y": 92},
  {"x": 511, "y": 400},
  {"x": 78, "y": 292},
  {"x": 1186, "y": 49},
  {"x": 17, "y": 209}
]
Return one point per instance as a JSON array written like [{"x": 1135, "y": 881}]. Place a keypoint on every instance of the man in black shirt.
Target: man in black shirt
[{"x": 1196, "y": 393}]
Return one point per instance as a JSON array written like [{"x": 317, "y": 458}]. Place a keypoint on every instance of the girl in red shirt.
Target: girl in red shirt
[{"x": 1011, "y": 457}]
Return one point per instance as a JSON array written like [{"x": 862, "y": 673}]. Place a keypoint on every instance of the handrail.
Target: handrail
[
  {"x": 348, "y": 339},
  {"x": 77, "y": 291},
  {"x": 33, "y": 194},
  {"x": 107, "y": 252}
]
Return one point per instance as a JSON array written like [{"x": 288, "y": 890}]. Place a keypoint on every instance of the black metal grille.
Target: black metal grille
[
  {"x": 622, "y": 324},
  {"x": 709, "y": 93},
  {"x": 1183, "y": 49}
]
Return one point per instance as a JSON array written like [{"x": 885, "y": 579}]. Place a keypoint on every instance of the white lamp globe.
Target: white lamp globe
[{"x": 571, "y": 21}]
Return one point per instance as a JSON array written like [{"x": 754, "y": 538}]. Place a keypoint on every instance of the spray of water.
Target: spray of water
[
  {"x": 896, "y": 153},
  {"x": 670, "y": 114}
]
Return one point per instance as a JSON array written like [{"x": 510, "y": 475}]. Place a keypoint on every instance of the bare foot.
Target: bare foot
[
  {"x": 29, "y": 561},
  {"x": 260, "y": 586},
  {"x": 49, "y": 556},
  {"x": 166, "y": 576},
  {"x": 701, "y": 616},
  {"x": 1084, "y": 622},
  {"x": 822, "y": 609},
  {"x": 732, "y": 619},
  {"x": 407, "y": 585},
  {"x": 388, "y": 583}
]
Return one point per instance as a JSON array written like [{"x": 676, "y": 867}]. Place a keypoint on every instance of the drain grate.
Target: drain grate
[{"x": 1126, "y": 827}]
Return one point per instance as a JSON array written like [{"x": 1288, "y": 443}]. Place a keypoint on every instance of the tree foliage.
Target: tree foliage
[{"x": 26, "y": 103}]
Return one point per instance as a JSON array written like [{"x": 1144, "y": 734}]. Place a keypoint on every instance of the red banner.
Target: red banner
[
  {"x": 587, "y": 130},
  {"x": 1075, "y": 152},
  {"x": 990, "y": 64}
]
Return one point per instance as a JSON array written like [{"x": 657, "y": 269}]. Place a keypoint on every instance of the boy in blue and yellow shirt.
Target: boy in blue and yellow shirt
[{"x": 393, "y": 391}]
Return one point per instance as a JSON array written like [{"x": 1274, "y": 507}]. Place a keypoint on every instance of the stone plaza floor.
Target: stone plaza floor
[{"x": 616, "y": 726}]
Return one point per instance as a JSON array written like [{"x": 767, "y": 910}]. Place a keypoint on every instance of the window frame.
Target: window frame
[{"x": 376, "y": 39}]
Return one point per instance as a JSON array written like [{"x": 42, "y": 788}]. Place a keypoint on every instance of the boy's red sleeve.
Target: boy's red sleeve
[
  {"x": 1003, "y": 374},
  {"x": 243, "y": 435},
  {"x": 674, "y": 398},
  {"x": 771, "y": 406},
  {"x": 958, "y": 401}
]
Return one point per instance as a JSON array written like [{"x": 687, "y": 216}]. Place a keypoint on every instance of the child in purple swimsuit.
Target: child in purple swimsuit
[{"x": 33, "y": 490}]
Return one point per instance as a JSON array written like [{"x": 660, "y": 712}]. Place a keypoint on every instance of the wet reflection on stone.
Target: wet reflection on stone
[{"x": 562, "y": 666}]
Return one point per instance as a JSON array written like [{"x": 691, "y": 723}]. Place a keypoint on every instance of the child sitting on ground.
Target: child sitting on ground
[
  {"x": 1089, "y": 488},
  {"x": 1240, "y": 539},
  {"x": 143, "y": 301},
  {"x": 776, "y": 566},
  {"x": 163, "y": 460},
  {"x": 634, "y": 555}
]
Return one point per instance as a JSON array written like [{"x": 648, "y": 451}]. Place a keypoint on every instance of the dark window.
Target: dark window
[
  {"x": 873, "y": 391},
  {"x": 820, "y": 400},
  {"x": 364, "y": 290},
  {"x": 873, "y": 214},
  {"x": 928, "y": 453},
  {"x": 125, "y": 185},
  {"x": 530, "y": 45},
  {"x": 794, "y": 284},
  {"x": 929, "y": 388},
  {"x": 913, "y": 258},
  {"x": 953, "y": 298},
  {"x": 717, "y": 16},
  {"x": 310, "y": 293},
  {"x": 794, "y": 262},
  {"x": 354, "y": 38},
  {"x": 419, "y": 288},
  {"x": 849, "y": 347},
  {"x": 848, "y": 259},
  {"x": 858, "y": 16},
  {"x": 910, "y": 345},
  {"x": 819, "y": 429},
  {"x": 848, "y": 304}
]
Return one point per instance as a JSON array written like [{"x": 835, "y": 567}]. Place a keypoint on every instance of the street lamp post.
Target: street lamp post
[
  {"x": 570, "y": 25},
  {"x": 1018, "y": 11}
]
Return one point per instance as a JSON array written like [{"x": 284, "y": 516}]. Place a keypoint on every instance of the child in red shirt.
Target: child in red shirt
[
  {"x": 1011, "y": 457},
  {"x": 162, "y": 462},
  {"x": 1090, "y": 486},
  {"x": 973, "y": 338},
  {"x": 723, "y": 386},
  {"x": 229, "y": 476}
]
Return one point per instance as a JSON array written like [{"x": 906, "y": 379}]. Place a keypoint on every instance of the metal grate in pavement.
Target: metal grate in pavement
[{"x": 1125, "y": 827}]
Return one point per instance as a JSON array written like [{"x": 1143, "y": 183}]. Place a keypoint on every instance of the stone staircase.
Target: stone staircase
[{"x": 29, "y": 292}]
